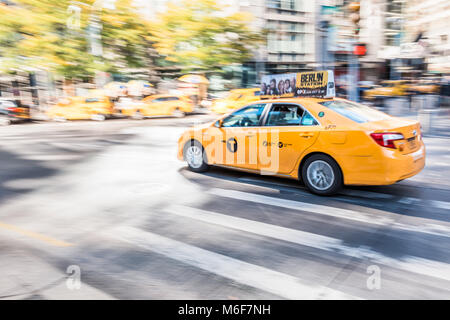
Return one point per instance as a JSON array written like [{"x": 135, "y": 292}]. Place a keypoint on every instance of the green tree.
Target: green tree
[
  {"x": 56, "y": 35},
  {"x": 199, "y": 35}
]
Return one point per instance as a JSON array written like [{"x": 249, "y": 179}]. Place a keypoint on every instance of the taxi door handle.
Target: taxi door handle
[
  {"x": 250, "y": 134},
  {"x": 306, "y": 135}
]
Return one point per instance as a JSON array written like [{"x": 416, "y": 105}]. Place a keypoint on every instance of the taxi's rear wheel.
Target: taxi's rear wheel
[
  {"x": 322, "y": 175},
  {"x": 98, "y": 117},
  {"x": 138, "y": 115},
  {"x": 59, "y": 119},
  {"x": 177, "y": 113},
  {"x": 195, "y": 156},
  {"x": 5, "y": 122}
]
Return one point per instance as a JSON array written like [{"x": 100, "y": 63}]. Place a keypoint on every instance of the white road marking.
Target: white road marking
[
  {"x": 366, "y": 194},
  {"x": 275, "y": 282},
  {"x": 348, "y": 192},
  {"x": 303, "y": 206},
  {"x": 408, "y": 200},
  {"x": 441, "y": 204},
  {"x": 377, "y": 220},
  {"x": 52, "y": 157},
  {"x": 443, "y": 231},
  {"x": 260, "y": 228},
  {"x": 357, "y": 193},
  {"x": 409, "y": 263}
]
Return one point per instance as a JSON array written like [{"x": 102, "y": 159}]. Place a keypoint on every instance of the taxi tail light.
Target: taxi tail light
[
  {"x": 386, "y": 139},
  {"x": 13, "y": 109}
]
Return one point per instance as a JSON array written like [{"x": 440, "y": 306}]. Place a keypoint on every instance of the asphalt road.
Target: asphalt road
[{"x": 111, "y": 201}]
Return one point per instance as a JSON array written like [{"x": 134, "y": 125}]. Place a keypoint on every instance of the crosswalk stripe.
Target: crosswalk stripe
[
  {"x": 330, "y": 211},
  {"x": 260, "y": 228},
  {"x": 347, "y": 192},
  {"x": 408, "y": 263},
  {"x": 356, "y": 193},
  {"x": 302, "y": 206},
  {"x": 271, "y": 281},
  {"x": 441, "y": 204}
]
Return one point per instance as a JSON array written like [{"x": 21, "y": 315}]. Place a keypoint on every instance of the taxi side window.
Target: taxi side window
[
  {"x": 308, "y": 120},
  {"x": 284, "y": 115},
  {"x": 246, "y": 117},
  {"x": 91, "y": 100}
]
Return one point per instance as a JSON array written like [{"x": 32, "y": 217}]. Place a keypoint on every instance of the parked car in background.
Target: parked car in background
[{"x": 11, "y": 112}]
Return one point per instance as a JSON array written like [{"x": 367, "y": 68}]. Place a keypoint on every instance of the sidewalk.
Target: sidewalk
[{"x": 435, "y": 121}]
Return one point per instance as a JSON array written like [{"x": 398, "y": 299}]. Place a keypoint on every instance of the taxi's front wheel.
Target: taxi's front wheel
[
  {"x": 322, "y": 175},
  {"x": 195, "y": 156}
]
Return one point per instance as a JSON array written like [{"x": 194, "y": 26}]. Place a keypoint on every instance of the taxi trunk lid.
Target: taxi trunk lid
[{"x": 410, "y": 129}]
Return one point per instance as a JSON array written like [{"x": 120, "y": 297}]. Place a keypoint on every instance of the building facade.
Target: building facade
[
  {"x": 290, "y": 45},
  {"x": 428, "y": 25}
]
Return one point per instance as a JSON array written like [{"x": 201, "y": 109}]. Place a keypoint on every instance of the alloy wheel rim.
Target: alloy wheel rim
[
  {"x": 194, "y": 156},
  {"x": 320, "y": 175}
]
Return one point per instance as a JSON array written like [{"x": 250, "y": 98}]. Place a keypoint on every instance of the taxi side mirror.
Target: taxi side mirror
[{"x": 219, "y": 123}]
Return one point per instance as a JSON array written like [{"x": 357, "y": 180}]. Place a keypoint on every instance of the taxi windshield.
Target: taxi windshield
[{"x": 355, "y": 111}]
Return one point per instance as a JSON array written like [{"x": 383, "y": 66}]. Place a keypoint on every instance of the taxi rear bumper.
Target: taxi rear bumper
[{"x": 387, "y": 168}]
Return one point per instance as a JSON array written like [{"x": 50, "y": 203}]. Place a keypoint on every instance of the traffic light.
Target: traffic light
[
  {"x": 360, "y": 49},
  {"x": 354, "y": 8}
]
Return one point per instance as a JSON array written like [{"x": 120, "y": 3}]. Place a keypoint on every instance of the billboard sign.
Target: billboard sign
[{"x": 318, "y": 84}]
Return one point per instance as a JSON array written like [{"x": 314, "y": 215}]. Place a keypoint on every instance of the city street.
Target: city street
[{"x": 112, "y": 199}]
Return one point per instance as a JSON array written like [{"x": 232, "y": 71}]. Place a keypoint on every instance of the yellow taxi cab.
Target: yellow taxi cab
[
  {"x": 424, "y": 87},
  {"x": 388, "y": 88},
  {"x": 235, "y": 99},
  {"x": 325, "y": 143},
  {"x": 160, "y": 105},
  {"x": 93, "y": 107}
]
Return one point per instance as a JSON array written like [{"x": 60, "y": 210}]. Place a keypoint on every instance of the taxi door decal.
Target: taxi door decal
[{"x": 232, "y": 145}]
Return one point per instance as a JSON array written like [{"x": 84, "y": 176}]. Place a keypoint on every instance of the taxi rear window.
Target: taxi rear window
[{"x": 355, "y": 111}]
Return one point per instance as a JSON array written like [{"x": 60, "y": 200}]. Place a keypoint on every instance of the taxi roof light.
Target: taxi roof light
[{"x": 386, "y": 139}]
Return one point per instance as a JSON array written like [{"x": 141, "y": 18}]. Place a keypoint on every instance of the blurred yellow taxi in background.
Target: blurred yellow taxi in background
[
  {"x": 159, "y": 105},
  {"x": 389, "y": 88},
  {"x": 325, "y": 143},
  {"x": 95, "y": 106},
  {"x": 235, "y": 99},
  {"x": 424, "y": 87}
]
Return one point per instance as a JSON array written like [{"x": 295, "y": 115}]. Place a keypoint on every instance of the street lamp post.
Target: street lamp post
[{"x": 354, "y": 7}]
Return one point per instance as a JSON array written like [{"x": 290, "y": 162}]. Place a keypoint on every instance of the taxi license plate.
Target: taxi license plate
[{"x": 412, "y": 143}]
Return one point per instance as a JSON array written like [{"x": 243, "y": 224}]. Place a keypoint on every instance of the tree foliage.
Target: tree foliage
[
  {"x": 199, "y": 35},
  {"x": 49, "y": 34},
  {"x": 53, "y": 35}
]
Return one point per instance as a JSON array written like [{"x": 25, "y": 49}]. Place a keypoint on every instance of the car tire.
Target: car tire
[
  {"x": 138, "y": 115},
  {"x": 194, "y": 155},
  {"x": 59, "y": 119},
  {"x": 177, "y": 113},
  {"x": 98, "y": 117},
  {"x": 322, "y": 175},
  {"x": 5, "y": 122}
]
